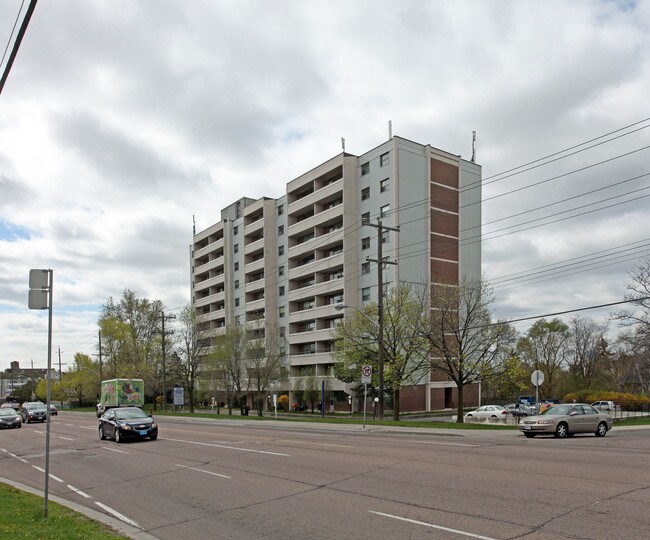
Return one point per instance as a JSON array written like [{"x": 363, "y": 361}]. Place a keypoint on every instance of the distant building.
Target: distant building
[
  {"x": 15, "y": 377},
  {"x": 286, "y": 263}
]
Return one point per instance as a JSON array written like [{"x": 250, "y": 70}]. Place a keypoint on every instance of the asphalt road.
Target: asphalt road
[{"x": 237, "y": 479}]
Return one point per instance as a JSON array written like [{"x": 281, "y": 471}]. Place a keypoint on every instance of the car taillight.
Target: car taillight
[{"x": 504, "y": 412}]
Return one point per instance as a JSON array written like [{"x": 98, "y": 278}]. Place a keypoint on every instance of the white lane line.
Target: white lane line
[
  {"x": 447, "y": 443},
  {"x": 114, "y": 450},
  {"x": 38, "y": 468},
  {"x": 206, "y": 472},
  {"x": 69, "y": 425},
  {"x": 18, "y": 458},
  {"x": 56, "y": 478},
  {"x": 88, "y": 427},
  {"x": 118, "y": 515},
  {"x": 439, "y": 527},
  {"x": 293, "y": 441},
  {"x": 65, "y": 438},
  {"x": 227, "y": 447},
  {"x": 4, "y": 450},
  {"x": 78, "y": 491}
]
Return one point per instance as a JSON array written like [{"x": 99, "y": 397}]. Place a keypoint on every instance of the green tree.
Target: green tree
[
  {"x": 589, "y": 352},
  {"x": 131, "y": 339},
  {"x": 81, "y": 382},
  {"x": 465, "y": 344},
  {"x": 405, "y": 340}
]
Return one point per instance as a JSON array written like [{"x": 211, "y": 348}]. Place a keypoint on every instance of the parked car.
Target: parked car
[
  {"x": 127, "y": 423},
  {"x": 34, "y": 412},
  {"x": 607, "y": 406},
  {"x": 520, "y": 409},
  {"x": 53, "y": 410},
  {"x": 9, "y": 418},
  {"x": 487, "y": 411},
  {"x": 566, "y": 420},
  {"x": 8, "y": 406}
]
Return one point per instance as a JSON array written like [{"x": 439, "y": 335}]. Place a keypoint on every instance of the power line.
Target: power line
[{"x": 19, "y": 39}]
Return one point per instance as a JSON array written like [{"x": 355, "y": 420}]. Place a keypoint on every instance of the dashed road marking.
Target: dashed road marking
[
  {"x": 203, "y": 471},
  {"x": 431, "y": 525}
]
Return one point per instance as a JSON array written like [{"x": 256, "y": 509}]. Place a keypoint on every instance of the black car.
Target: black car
[
  {"x": 127, "y": 423},
  {"x": 9, "y": 418},
  {"x": 33, "y": 412}
]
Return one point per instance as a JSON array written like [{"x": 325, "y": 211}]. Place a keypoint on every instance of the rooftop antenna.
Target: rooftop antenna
[
  {"x": 390, "y": 129},
  {"x": 473, "y": 146},
  {"x": 193, "y": 225},
  {"x": 343, "y": 144}
]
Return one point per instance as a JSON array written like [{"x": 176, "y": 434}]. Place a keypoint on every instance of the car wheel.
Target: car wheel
[
  {"x": 102, "y": 435},
  {"x": 19, "y": 426},
  {"x": 530, "y": 435},
  {"x": 562, "y": 430},
  {"x": 153, "y": 437},
  {"x": 118, "y": 439},
  {"x": 601, "y": 430}
]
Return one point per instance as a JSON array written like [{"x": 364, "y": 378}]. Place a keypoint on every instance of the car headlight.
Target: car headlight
[
  {"x": 124, "y": 426},
  {"x": 153, "y": 424},
  {"x": 545, "y": 421}
]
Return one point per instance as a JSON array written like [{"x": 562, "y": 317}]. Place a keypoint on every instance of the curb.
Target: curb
[{"x": 116, "y": 524}]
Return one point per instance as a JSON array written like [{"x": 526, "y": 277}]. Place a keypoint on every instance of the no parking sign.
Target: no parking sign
[{"x": 366, "y": 374}]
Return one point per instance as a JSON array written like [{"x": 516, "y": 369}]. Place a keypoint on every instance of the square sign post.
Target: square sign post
[{"x": 40, "y": 297}]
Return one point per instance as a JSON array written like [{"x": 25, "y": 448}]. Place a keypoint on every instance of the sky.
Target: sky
[{"x": 121, "y": 122}]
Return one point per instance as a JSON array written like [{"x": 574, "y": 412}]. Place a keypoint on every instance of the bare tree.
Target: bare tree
[
  {"x": 465, "y": 344},
  {"x": 228, "y": 363},
  {"x": 589, "y": 350},
  {"x": 266, "y": 364},
  {"x": 546, "y": 347},
  {"x": 192, "y": 347}
]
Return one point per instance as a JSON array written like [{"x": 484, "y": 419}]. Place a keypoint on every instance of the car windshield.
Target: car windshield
[
  {"x": 35, "y": 407},
  {"x": 558, "y": 410},
  {"x": 7, "y": 412},
  {"x": 127, "y": 414}
]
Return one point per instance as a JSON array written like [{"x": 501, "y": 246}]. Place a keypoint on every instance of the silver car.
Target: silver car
[{"x": 566, "y": 420}]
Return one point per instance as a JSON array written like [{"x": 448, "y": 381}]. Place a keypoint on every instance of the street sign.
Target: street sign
[
  {"x": 366, "y": 374},
  {"x": 179, "y": 396},
  {"x": 537, "y": 377}
]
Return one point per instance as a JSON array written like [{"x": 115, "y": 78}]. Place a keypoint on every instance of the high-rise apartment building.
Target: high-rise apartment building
[{"x": 282, "y": 265}]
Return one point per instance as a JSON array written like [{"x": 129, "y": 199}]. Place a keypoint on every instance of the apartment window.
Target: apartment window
[
  {"x": 280, "y": 230},
  {"x": 236, "y": 266},
  {"x": 236, "y": 284},
  {"x": 365, "y": 294},
  {"x": 236, "y": 302},
  {"x": 385, "y": 237},
  {"x": 365, "y": 243},
  {"x": 383, "y": 211},
  {"x": 365, "y": 268},
  {"x": 384, "y": 159},
  {"x": 236, "y": 248},
  {"x": 281, "y": 251},
  {"x": 280, "y": 270},
  {"x": 365, "y": 193},
  {"x": 280, "y": 210},
  {"x": 365, "y": 218},
  {"x": 235, "y": 229},
  {"x": 281, "y": 291},
  {"x": 281, "y": 311},
  {"x": 384, "y": 185},
  {"x": 365, "y": 168}
]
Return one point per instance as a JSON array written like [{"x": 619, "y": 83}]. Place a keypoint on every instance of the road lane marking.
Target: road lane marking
[
  {"x": 431, "y": 525},
  {"x": 118, "y": 515},
  {"x": 206, "y": 472},
  {"x": 227, "y": 447},
  {"x": 69, "y": 425},
  {"x": 88, "y": 427},
  {"x": 38, "y": 468},
  {"x": 65, "y": 438},
  {"x": 78, "y": 491},
  {"x": 294, "y": 441},
  {"x": 114, "y": 450},
  {"x": 447, "y": 444},
  {"x": 56, "y": 478}
]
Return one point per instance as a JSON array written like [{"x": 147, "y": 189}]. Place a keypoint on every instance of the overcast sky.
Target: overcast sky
[{"x": 121, "y": 120}]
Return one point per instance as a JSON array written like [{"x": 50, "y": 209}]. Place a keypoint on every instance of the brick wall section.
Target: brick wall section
[{"x": 444, "y": 222}]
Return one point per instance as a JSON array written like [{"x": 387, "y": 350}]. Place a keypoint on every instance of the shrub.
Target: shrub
[{"x": 629, "y": 402}]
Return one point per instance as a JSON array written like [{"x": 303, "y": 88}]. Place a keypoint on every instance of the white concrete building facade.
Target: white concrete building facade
[{"x": 282, "y": 265}]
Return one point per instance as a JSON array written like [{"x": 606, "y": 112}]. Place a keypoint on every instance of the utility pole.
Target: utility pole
[
  {"x": 381, "y": 261},
  {"x": 163, "y": 318}
]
